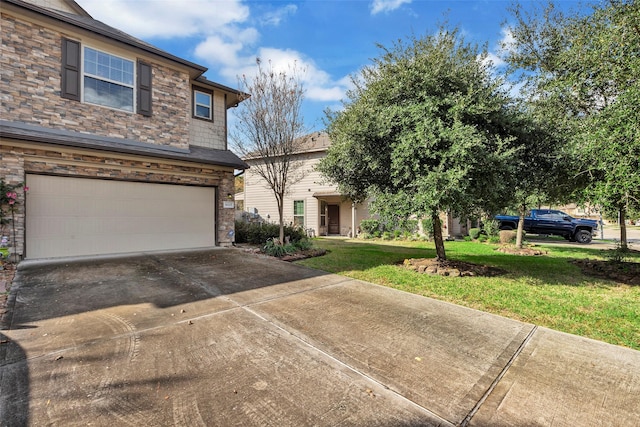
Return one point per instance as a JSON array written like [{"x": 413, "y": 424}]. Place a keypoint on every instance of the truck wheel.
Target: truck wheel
[{"x": 583, "y": 236}]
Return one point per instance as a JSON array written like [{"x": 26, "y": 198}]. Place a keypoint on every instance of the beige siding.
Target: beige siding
[
  {"x": 258, "y": 196},
  {"x": 211, "y": 134}
]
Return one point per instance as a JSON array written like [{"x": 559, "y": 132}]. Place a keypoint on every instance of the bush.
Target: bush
[
  {"x": 474, "y": 233},
  {"x": 492, "y": 227},
  {"x": 386, "y": 236},
  {"x": 275, "y": 249},
  {"x": 508, "y": 236},
  {"x": 303, "y": 244},
  {"x": 427, "y": 228},
  {"x": 370, "y": 226},
  {"x": 494, "y": 239},
  {"x": 257, "y": 233}
]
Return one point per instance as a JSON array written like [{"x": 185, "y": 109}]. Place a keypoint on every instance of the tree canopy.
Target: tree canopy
[
  {"x": 269, "y": 129},
  {"x": 581, "y": 73},
  {"x": 427, "y": 128}
]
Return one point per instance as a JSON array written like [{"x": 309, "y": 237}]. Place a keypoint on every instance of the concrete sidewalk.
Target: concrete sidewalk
[{"x": 226, "y": 338}]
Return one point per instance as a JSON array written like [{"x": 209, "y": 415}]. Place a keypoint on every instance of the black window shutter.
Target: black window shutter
[
  {"x": 70, "y": 69},
  {"x": 144, "y": 89}
]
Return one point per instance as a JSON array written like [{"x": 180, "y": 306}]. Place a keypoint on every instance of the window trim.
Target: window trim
[
  {"x": 195, "y": 104},
  {"x": 133, "y": 86}
]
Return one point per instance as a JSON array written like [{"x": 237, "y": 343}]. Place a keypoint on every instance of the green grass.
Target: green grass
[{"x": 544, "y": 290}]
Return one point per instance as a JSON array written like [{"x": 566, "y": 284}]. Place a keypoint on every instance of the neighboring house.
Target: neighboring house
[
  {"x": 313, "y": 203},
  {"x": 123, "y": 146},
  {"x": 310, "y": 202}
]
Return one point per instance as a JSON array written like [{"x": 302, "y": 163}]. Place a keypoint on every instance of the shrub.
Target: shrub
[
  {"x": 494, "y": 239},
  {"x": 303, "y": 244},
  {"x": 397, "y": 234},
  {"x": 370, "y": 226},
  {"x": 386, "y": 235},
  {"x": 273, "y": 248},
  {"x": 492, "y": 227},
  {"x": 508, "y": 236},
  {"x": 257, "y": 233},
  {"x": 482, "y": 238},
  {"x": 427, "y": 228},
  {"x": 474, "y": 233},
  {"x": 617, "y": 255}
]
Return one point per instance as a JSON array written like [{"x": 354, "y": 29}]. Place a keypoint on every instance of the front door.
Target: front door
[{"x": 333, "y": 212}]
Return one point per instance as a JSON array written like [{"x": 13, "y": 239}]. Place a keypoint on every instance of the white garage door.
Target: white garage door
[{"x": 76, "y": 216}]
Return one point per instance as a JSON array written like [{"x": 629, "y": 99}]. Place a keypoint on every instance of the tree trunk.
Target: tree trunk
[
  {"x": 280, "y": 201},
  {"x": 623, "y": 229},
  {"x": 437, "y": 237},
  {"x": 520, "y": 228}
]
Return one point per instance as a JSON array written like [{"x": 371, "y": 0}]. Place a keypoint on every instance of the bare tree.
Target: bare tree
[{"x": 270, "y": 131}]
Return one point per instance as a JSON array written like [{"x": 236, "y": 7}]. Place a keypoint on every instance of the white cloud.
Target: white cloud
[
  {"x": 493, "y": 60},
  {"x": 167, "y": 18},
  {"x": 318, "y": 83},
  {"x": 507, "y": 42},
  {"x": 386, "y": 5},
  {"x": 275, "y": 17},
  {"x": 226, "y": 41}
]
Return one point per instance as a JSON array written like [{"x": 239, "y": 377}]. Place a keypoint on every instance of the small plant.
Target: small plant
[
  {"x": 427, "y": 228},
  {"x": 492, "y": 227},
  {"x": 303, "y": 244},
  {"x": 494, "y": 239},
  {"x": 617, "y": 255},
  {"x": 274, "y": 248},
  {"x": 370, "y": 226},
  {"x": 386, "y": 236},
  {"x": 507, "y": 236},
  {"x": 474, "y": 233}
]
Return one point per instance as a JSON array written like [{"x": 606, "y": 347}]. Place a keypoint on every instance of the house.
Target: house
[
  {"x": 123, "y": 147},
  {"x": 315, "y": 204},
  {"x": 311, "y": 202}
]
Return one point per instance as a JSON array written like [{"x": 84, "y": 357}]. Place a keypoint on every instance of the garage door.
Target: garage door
[{"x": 76, "y": 216}]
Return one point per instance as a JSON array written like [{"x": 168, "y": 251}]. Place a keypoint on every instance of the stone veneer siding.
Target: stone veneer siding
[
  {"x": 17, "y": 161},
  {"x": 30, "y": 70}
]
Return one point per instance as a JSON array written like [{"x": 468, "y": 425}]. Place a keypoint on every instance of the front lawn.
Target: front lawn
[{"x": 544, "y": 290}]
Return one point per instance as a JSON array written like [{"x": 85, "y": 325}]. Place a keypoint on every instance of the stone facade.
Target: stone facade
[
  {"x": 30, "y": 64},
  {"x": 31, "y": 77},
  {"x": 17, "y": 161}
]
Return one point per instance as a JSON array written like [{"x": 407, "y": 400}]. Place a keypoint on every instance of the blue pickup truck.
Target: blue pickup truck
[{"x": 549, "y": 221}]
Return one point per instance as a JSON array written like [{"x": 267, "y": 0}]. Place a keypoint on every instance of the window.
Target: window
[
  {"x": 202, "y": 105},
  {"x": 108, "y": 80},
  {"x": 298, "y": 213},
  {"x": 323, "y": 213},
  {"x": 97, "y": 77}
]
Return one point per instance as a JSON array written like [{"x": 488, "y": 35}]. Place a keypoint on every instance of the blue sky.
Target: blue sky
[{"x": 330, "y": 39}]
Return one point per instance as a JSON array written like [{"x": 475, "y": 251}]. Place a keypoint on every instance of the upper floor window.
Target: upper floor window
[
  {"x": 108, "y": 80},
  {"x": 202, "y": 104},
  {"x": 100, "y": 78}
]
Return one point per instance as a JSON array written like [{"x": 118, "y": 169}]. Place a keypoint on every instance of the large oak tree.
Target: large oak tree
[{"x": 427, "y": 128}]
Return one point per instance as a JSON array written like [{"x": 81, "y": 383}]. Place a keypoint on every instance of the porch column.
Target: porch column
[{"x": 353, "y": 220}]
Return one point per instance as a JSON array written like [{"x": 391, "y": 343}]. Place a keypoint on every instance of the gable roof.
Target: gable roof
[
  {"x": 33, "y": 133},
  {"x": 316, "y": 142},
  {"x": 86, "y": 22}
]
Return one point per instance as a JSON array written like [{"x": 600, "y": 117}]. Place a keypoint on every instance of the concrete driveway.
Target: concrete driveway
[{"x": 226, "y": 338}]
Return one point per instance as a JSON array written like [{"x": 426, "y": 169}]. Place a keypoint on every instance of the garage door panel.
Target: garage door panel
[{"x": 75, "y": 216}]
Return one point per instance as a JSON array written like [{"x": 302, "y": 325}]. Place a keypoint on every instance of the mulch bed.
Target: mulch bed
[
  {"x": 451, "y": 268},
  {"x": 304, "y": 255},
  {"x": 627, "y": 273},
  {"x": 525, "y": 250}
]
